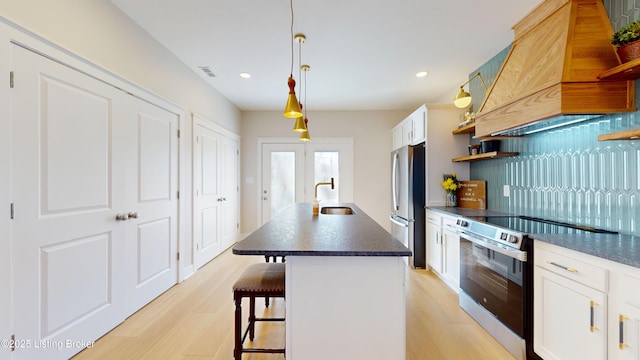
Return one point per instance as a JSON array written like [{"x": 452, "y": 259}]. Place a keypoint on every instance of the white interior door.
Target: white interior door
[
  {"x": 150, "y": 136},
  {"x": 83, "y": 153},
  {"x": 207, "y": 195},
  {"x": 67, "y": 168},
  {"x": 282, "y": 177},
  {"x": 230, "y": 186}
]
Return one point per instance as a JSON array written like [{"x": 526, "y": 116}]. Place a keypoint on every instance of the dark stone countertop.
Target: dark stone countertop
[
  {"x": 457, "y": 211},
  {"x": 621, "y": 248},
  {"x": 298, "y": 232},
  {"x": 624, "y": 249}
]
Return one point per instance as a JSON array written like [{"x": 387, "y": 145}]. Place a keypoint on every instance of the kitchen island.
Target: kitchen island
[{"x": 345, "y": 277}]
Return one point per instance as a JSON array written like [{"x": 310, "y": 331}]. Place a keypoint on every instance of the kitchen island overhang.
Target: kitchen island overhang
[{"x": 345, "y": 283}]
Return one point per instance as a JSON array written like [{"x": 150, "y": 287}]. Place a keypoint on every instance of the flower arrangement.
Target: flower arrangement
[{"x": 450, "y": 183}]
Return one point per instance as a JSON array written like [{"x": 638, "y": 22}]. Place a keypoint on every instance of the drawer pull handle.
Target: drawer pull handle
[
  {"x": 562, "y": 267},
  {"x": 621, "y": 344},
  {"x": 592, "y": 305}
]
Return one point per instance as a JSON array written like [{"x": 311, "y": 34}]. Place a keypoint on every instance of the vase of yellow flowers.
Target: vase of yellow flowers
[{"x": 450, "y": 184}]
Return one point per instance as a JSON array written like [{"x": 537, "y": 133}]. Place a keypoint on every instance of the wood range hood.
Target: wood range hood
[{"x": 550, "y": 76}]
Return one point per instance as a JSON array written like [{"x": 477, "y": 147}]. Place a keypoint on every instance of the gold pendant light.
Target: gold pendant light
[
  {"x": 292, "y": 110},
  {"x": 304, "y": 135},
  {"x": 299, "y": 124}
]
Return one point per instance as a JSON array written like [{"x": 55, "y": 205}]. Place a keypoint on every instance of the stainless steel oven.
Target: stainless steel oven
[
  {"x": 493, "y": 275},
  {"x": 496, "y": 275}
]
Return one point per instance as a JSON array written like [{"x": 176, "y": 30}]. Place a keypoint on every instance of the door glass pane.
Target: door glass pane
[
  {"x": 283, "y": 181},
  {"x": 326, "y": 166}
]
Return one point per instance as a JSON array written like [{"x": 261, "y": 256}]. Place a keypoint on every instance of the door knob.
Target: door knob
[
  {"x": 122, "y": 217},
  {"x": 133, "y": 215}
]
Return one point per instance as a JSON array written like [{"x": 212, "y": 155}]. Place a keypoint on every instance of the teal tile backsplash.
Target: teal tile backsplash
[{"x": 566, "y": 173}]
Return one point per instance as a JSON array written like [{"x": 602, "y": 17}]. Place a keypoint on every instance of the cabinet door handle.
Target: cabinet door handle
[
  {"x": 562, "y": 267},
  {"x": 592, "y": 311},
  {"x": 621, "y": 343}
]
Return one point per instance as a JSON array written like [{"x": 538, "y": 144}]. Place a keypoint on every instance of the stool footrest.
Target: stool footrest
[{"x": 269, "y": 351}]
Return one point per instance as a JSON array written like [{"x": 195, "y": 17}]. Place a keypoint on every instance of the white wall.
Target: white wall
[
  {"x": 371, "y": 131},
  {"x": 96, "y": 31}
]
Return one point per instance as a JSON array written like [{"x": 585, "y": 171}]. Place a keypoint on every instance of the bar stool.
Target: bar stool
[
  {"x": 258, "y": 280},
  {"x": 268, "y": 258}
]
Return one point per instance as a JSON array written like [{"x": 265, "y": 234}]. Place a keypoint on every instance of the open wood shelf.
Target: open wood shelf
[
  {"x": 469, "y": 128},
  {"x": 485, "y": 156},
  {"x": 627, "y": 71},
  {"x": 621, "y": 135}
]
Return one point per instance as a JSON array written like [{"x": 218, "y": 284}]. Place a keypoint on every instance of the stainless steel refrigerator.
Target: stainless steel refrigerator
[{"x": 408, "y": 201}]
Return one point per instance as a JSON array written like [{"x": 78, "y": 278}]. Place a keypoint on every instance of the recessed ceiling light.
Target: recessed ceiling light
[
  {"x": 245, "y": 75},
  {"x": 421, "y": 74}
]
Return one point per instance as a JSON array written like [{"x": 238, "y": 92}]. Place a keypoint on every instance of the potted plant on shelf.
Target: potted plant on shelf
[
  {"x": 450, "y": 184},
  {"x": 626, "y": 41}
]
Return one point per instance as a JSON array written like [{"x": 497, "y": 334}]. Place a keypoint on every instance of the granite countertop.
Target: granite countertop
[
  {"x": 298, "y": 232},
  {"x": 468, "y": 212},
  {"x": 621, "y": 248},
  {"x": 624, "y": 249}
]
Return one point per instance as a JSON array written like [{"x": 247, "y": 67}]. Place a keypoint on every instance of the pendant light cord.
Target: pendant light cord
[
  {"x": 291, "y": 7},
  {"x": 300, "y": 67}
]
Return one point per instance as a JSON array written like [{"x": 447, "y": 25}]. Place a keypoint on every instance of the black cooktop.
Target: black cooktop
[{"x": 533, "y": 225}]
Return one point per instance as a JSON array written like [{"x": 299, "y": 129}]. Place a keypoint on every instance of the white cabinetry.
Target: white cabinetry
[
  {"x": 585, "y": 307},
  {"x": 451, "y": 252},
  {"x": 418, "y": 125},
  {"x": 443, "y": 247},
  {"x": 411, "y": 130},
  {"x": 432, "y": 125},
  {"x": 624, "y": 315},
  {"x": 434, "y": 241}
]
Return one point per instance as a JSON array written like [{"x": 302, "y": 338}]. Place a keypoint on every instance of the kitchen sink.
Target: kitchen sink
[{"x": 337, "y": 210}]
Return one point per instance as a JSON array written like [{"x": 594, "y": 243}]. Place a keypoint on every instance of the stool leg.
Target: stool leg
[
  {"x": 252, "y": 317},
  {"x": 237, "y": 351}
]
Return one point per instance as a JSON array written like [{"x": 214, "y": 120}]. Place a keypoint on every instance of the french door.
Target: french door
[
  {"x": 282, "y": 177},
  {"x": 290, "y": 171}
]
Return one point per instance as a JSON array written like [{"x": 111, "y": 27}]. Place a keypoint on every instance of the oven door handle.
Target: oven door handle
[{"x": 514, "y": 253}]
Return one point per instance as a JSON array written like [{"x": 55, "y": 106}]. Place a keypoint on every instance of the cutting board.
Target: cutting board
[{"x": 472, "y": 194}]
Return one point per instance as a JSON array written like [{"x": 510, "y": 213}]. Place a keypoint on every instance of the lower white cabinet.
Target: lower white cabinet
[
  {"x": 624, "y": 316},
  {"x": 585, "y": 307},
  {"x": 434, "y": 241},
  {"x": 443, "y": 247},
  {"x": 451, "y": 252}
]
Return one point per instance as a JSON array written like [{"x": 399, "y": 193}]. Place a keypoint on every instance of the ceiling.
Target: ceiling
[{"x": 363, "y": 54}]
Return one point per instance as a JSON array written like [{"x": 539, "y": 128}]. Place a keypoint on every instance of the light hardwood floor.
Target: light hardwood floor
[{"x": 194, "y": 321}]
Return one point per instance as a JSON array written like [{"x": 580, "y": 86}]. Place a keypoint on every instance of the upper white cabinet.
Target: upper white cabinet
[
  {"x": 585, "y": 307},
  {"x": 411, "y": 130},
  {"x": 431, "y": 124},
  {"x": 419, "y": 125}
]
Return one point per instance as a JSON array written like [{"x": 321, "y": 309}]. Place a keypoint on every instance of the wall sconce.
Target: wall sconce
[{"x": 463, "y": 99}]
